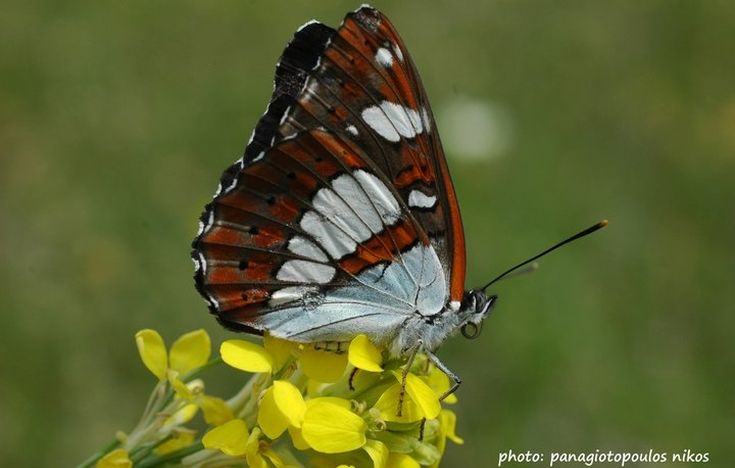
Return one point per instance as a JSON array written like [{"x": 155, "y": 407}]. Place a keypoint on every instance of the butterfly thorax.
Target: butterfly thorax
[{"x": 432, "y": 330}]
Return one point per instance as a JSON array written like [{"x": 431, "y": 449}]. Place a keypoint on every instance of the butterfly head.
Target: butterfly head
[{"x": 475, "y": 306}]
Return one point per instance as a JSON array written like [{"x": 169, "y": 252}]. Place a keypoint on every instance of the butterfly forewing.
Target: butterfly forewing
[
  {"x": 367, "y": 86},
  {"x": 340, "y": 218}
]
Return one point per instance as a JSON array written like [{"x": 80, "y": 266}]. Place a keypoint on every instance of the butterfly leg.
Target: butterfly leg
[
  {"x": 440, "y": 365},
  {"x": 419, "y": 345}
]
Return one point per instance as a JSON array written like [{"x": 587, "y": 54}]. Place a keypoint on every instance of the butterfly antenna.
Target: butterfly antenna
[{"x": 578, "y": 235}]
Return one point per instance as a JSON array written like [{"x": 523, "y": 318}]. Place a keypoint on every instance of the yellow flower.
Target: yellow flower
[
  {"x": 234, "y": 439},
  {"x": 337, "y": 419},
  {"x": 297, "y": 437},
  {"x": 388, "y": 404},
  {"x": 190, "y": 351},
  {"x": 246, "y": 356},
  {"x": 331, "y": 428},
  {"x": 282, "y": 406},
  {"x": 439, "y": 430},
  {"x": 421, "y": 394},
  {"x": 230, "y": 438},
  {"x": 322, "y": 365},
  {"x": 378, "y": 453},
  {"x": 365, "y": 355},
  {"x": 317, "y": 364},
  {"x": 118, "y": 458},
  {"x": 215, "y": 409},
  {"x": 258, "y": 451},
  {"x": 448, "y": 425},
  {"x": 419, "y": 400},
  {"x": 280, "y": 350},
  {"x": 152, "y": 352}
]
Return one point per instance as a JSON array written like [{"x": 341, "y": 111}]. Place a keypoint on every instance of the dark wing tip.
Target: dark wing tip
[
  {"x": 368, "y": 17},
  {"x": 302, "y": 53},
  {"x": 298, "y": 59}
]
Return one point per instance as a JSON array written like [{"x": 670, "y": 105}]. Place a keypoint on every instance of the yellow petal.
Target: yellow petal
[
  {"x": 252, "y": 450},
  {"x": 297, "y": 438},
  {"x": 152, "y": 352},
  {"x": 179, "y": 440},
  {"x": 118, "y": 458},
  {"x": 421, "y": 394},
  {"x": 216, "y": 411},
  {"x": 365, "y": 355},
  {"x": 182, "y": 416},
  {"x": 190, "y": 351},
  {"x": 378, "y": 453},
  {"x": 270, "y": 418},
  {"x": 322, "y": 366},
  {"x": 231, "y": 438},
  {"x": 346, "y": 404},
  {"x": 388, "y": 406},
  {"x": 289, "y": 401},
  {"x": 253, "y": 455},
  {"x": 401, "y": 460},
  {"x": 246, "y": 356},
  {"x": 329, "y": 428},
  {"x": 279, "y": 349},
  {"x": 255, "y": 460},
  {"x": 448, "y": 421},
  {"x": 274, "y": 458}
]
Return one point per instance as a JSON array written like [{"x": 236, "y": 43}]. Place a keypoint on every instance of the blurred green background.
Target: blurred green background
[{"x": 117, "y": 118}]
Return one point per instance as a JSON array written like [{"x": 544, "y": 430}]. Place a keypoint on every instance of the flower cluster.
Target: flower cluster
[{"x": 304, "y": 405}]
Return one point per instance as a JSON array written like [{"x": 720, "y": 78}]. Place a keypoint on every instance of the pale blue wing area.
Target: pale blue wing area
[{"x": 383, "y": 297}]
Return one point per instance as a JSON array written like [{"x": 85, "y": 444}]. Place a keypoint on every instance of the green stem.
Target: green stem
[
  {"x": 93, "y": 459},
  {"x": 191, "y": 375},
  {"x": 145, "y": 450},
  {"x": 155, "y": 394}
]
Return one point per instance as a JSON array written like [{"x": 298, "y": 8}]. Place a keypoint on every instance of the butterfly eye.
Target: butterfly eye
[{"x": 471, "y": 330}]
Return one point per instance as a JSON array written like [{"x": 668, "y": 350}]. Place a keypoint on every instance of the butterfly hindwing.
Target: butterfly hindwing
[{"x": 309, "y": 237}]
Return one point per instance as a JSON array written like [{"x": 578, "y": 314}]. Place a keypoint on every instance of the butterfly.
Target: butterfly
[{"x": 341, "y": 217}]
